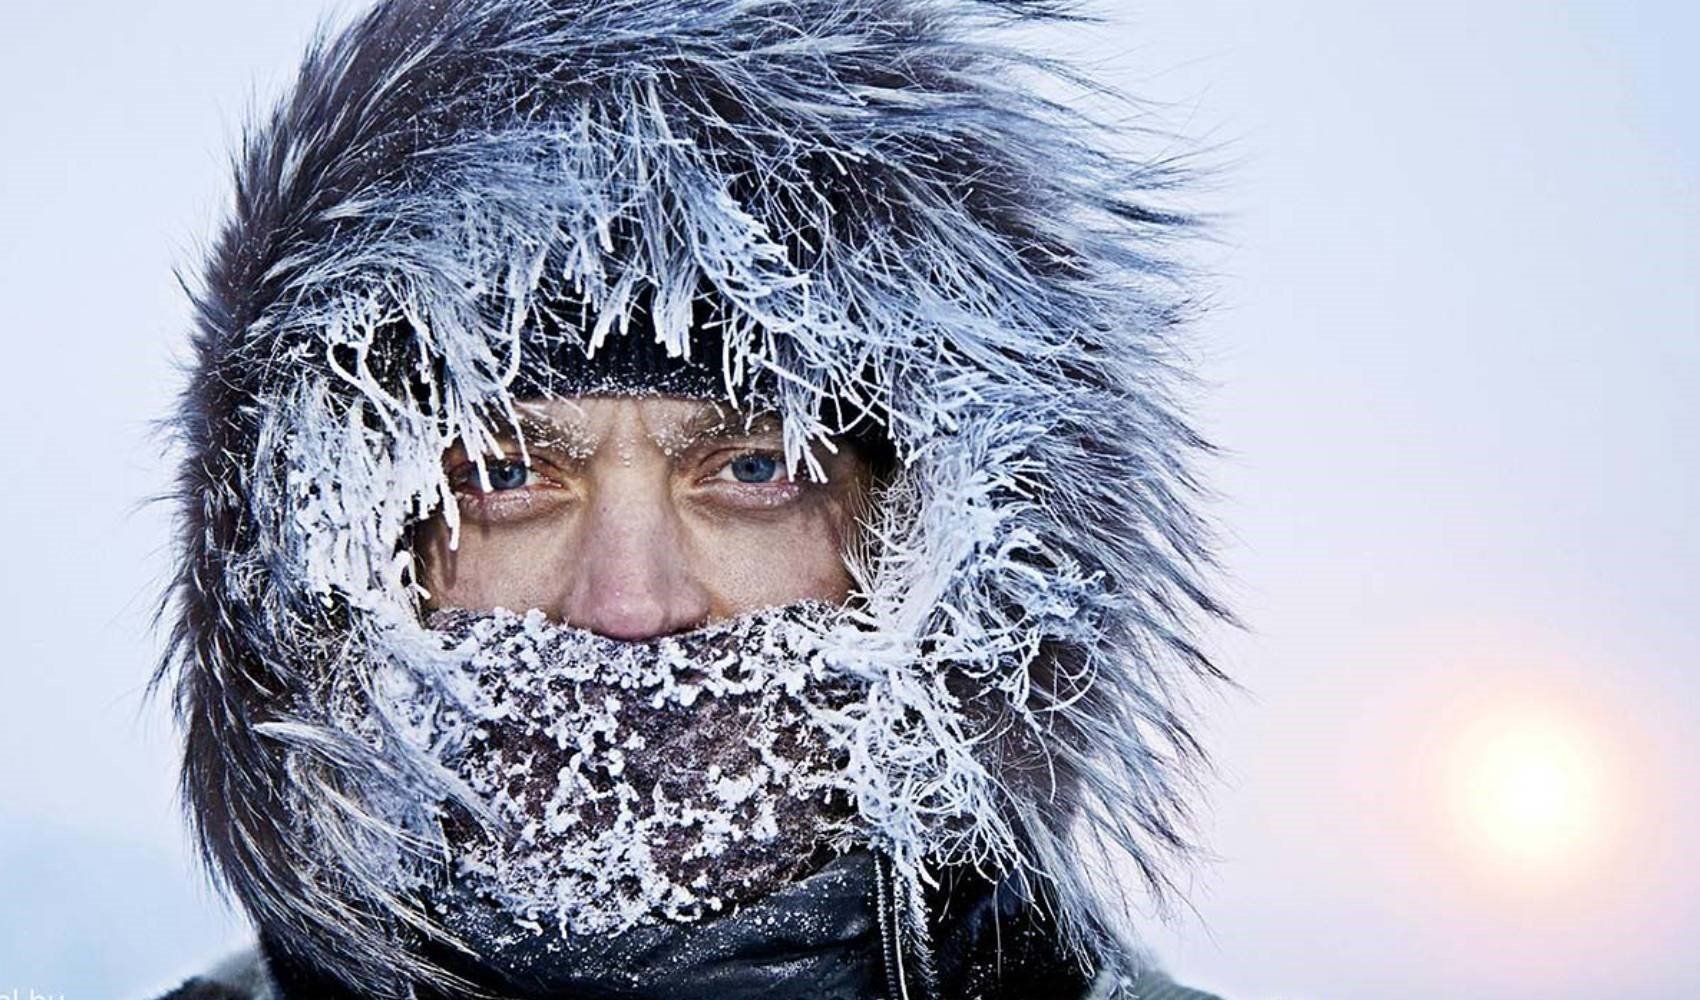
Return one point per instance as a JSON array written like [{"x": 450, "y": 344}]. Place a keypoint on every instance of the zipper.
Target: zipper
[{"x": 888, "y": 932}]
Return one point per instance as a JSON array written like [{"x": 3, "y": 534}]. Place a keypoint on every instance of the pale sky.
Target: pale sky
[{"x": 1455, "y": 367}]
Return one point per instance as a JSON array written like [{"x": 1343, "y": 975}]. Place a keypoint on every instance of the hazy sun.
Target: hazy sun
[{"x": 1530, "y": 789}]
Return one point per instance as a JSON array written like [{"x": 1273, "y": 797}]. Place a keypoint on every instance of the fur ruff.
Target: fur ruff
[{"x": 894, "y": 226}]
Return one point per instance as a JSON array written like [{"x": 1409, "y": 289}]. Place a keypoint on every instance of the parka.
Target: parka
[{"x": 874, "y": 217}]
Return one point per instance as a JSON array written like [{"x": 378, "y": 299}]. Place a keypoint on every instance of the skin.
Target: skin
[{"x": 643, "y": 516}]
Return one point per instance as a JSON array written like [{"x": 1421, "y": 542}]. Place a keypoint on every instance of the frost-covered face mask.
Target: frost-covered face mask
[{"x": 629, "y": 783}]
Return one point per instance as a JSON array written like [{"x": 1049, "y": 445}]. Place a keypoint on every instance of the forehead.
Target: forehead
[{"x": 588, "y": 421}]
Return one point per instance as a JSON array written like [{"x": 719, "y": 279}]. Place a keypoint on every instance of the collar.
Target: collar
[{"x": 831, "y": 936}]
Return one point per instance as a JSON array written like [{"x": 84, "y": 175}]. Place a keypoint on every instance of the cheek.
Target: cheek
[
  {"x": 746, "y": 567},
  {"x": 511, "y": 566}
]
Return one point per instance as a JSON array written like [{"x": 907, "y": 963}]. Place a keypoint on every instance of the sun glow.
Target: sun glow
[
  {"x": 1521, "y": 817},
  {"x": 1530, "y": 790}
]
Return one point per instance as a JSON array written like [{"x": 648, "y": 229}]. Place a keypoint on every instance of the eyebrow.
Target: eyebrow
[
  {"x": 544, "y": 433},
  {"x": 711, "y": 421},
  {"x": 720, "y": 421}
]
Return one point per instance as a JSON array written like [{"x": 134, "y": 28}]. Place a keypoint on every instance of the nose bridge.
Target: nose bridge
[{"x": 632, "y": 580}]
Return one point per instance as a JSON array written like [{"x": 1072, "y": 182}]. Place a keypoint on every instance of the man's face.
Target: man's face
[{"x": 643, "y": 516}]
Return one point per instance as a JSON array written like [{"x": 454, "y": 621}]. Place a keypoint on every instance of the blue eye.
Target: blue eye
[
  {"x": 507, "y": 475},
  {"x": 754, "y": 468}
]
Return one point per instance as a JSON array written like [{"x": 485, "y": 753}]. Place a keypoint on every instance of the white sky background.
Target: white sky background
[{"x": 1456, "y": 366}]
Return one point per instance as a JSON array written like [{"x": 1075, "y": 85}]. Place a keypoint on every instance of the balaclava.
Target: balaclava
[{"x": 864, "y": 216}]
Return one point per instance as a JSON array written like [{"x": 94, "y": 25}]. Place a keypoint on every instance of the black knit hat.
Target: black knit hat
[
  {"x": 557, "y": 362},
  {"x": 631, "y": 361}
]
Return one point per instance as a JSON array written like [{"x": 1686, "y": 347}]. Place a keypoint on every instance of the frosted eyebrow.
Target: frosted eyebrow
[
  {"x": 717, "y": 421},
  {"x": 709, "y": 422},
  {"x": 566, "y": 438}
]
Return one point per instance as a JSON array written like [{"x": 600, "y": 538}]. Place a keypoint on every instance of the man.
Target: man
[{"x": 686, "y": 498}]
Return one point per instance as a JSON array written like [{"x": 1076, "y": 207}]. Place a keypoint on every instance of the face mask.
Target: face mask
[{"x": 628, "y": 783}]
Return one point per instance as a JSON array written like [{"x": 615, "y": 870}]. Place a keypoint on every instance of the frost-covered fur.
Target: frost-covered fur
[{"x": 893, "y": 227}]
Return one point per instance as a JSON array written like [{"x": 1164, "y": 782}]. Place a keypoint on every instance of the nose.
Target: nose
[{"x": 631, "y": 579}]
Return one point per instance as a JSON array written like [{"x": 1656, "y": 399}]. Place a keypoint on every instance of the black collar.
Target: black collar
[{"x": 831, "y": 936}]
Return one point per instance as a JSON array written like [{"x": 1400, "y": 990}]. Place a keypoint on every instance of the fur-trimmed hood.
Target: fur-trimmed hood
[{"x": 893, "y": 228}]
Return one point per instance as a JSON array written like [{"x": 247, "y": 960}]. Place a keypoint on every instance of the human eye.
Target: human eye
[
  {"x": 751, "y": 479},
  {"x": 503, "y": 474},
  {"x": 754, "y": 468}
]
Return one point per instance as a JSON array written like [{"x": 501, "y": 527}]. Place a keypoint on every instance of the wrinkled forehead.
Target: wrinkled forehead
[{"x": 586, "y": 423}]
